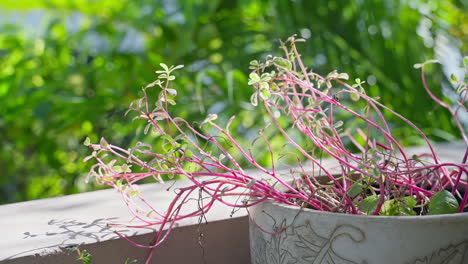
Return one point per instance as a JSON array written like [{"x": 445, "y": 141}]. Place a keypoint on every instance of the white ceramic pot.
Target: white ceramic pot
[{"x": 319, "y": 237}]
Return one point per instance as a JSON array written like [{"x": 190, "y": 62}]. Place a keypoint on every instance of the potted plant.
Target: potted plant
[{"x": 376, "y": 205}]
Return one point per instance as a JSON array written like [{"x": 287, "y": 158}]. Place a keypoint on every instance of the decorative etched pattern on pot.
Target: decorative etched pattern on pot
[
  {"x": 272, "y": 248},
  {"x": 452, "y": 254},
  {"x": 301, "y": 244},
  {"x": 258, "y": 245}
]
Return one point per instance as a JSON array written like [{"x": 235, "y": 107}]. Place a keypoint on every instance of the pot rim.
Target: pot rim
[{"x": 419, "y": 218}]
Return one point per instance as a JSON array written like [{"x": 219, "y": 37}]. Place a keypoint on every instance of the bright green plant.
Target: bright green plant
[
  {"x": 86, "y": 258},
  {"x": 83, "y": 255}
]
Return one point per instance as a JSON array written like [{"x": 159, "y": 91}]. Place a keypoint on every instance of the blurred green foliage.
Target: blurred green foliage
[{"x": 74, "y": 74}]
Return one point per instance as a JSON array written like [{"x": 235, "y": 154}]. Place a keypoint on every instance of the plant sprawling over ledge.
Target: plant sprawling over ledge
[{"x": 373, "y": 175}]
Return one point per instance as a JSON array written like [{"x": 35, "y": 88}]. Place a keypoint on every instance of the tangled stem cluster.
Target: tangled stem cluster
[{"x": 337, "y": 120}]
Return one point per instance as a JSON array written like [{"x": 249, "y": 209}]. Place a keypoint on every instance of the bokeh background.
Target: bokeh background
[{"x": 70, "y": 68}]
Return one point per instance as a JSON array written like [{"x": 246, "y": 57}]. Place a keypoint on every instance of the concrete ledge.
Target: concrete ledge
[
  {"x": 40, "y": 231},
  {"x": 182, "y": 246}
]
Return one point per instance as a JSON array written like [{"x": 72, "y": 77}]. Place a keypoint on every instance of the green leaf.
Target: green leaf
[
  {"x": 157, "y": 82},
  {"x": 338, "y": 124},
  {"x": 167, "y": 138},
  {"x": 453, "y": 78},
  {"x": 443, "y": 202},
  {"x": 126, "y": 168},
  {"x": 328, "y": 130},
  {"x": 419, "y": 65},
  {"x": 254, "y": 78},
  {"x": 221, "y": 157},
  {"x": 164, "y": 66},
  {"x": 369, "y": 204},
  {"x": 172, "y": 92},
  {"x": 265, "y": 77},
  {"x": 87, "y": 141},
  {"x": 188, "y": 153},
  {"x": 264, "y": 94},
  {"x": 264, "y": 90},
  {"x": 332, "y": 75},
  {"x": 177, "y": 67},
  {"x": 343, "y": 76},
  {"x": 264, "y": 86},
  {"x": 104, "y": 143},
  {"x": 283, "y": 63},
  {"x": 254, "y": 63},
  {"x": 399, "y": 207},
  {"x": 355, "y": 190},
  {"x": 209, "y": 118},
  {"x": 311, "y": 103},
  {"x": 147, "y": 128},
  {"x": 431, "y": 61},
  {"x": 158, "y": 116},
  {"x": 85, "y": 257},
  {"x": 254, "y": 99},
  {"x": 354, "y": 96},
  {"x": 128, "y": 261}
]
